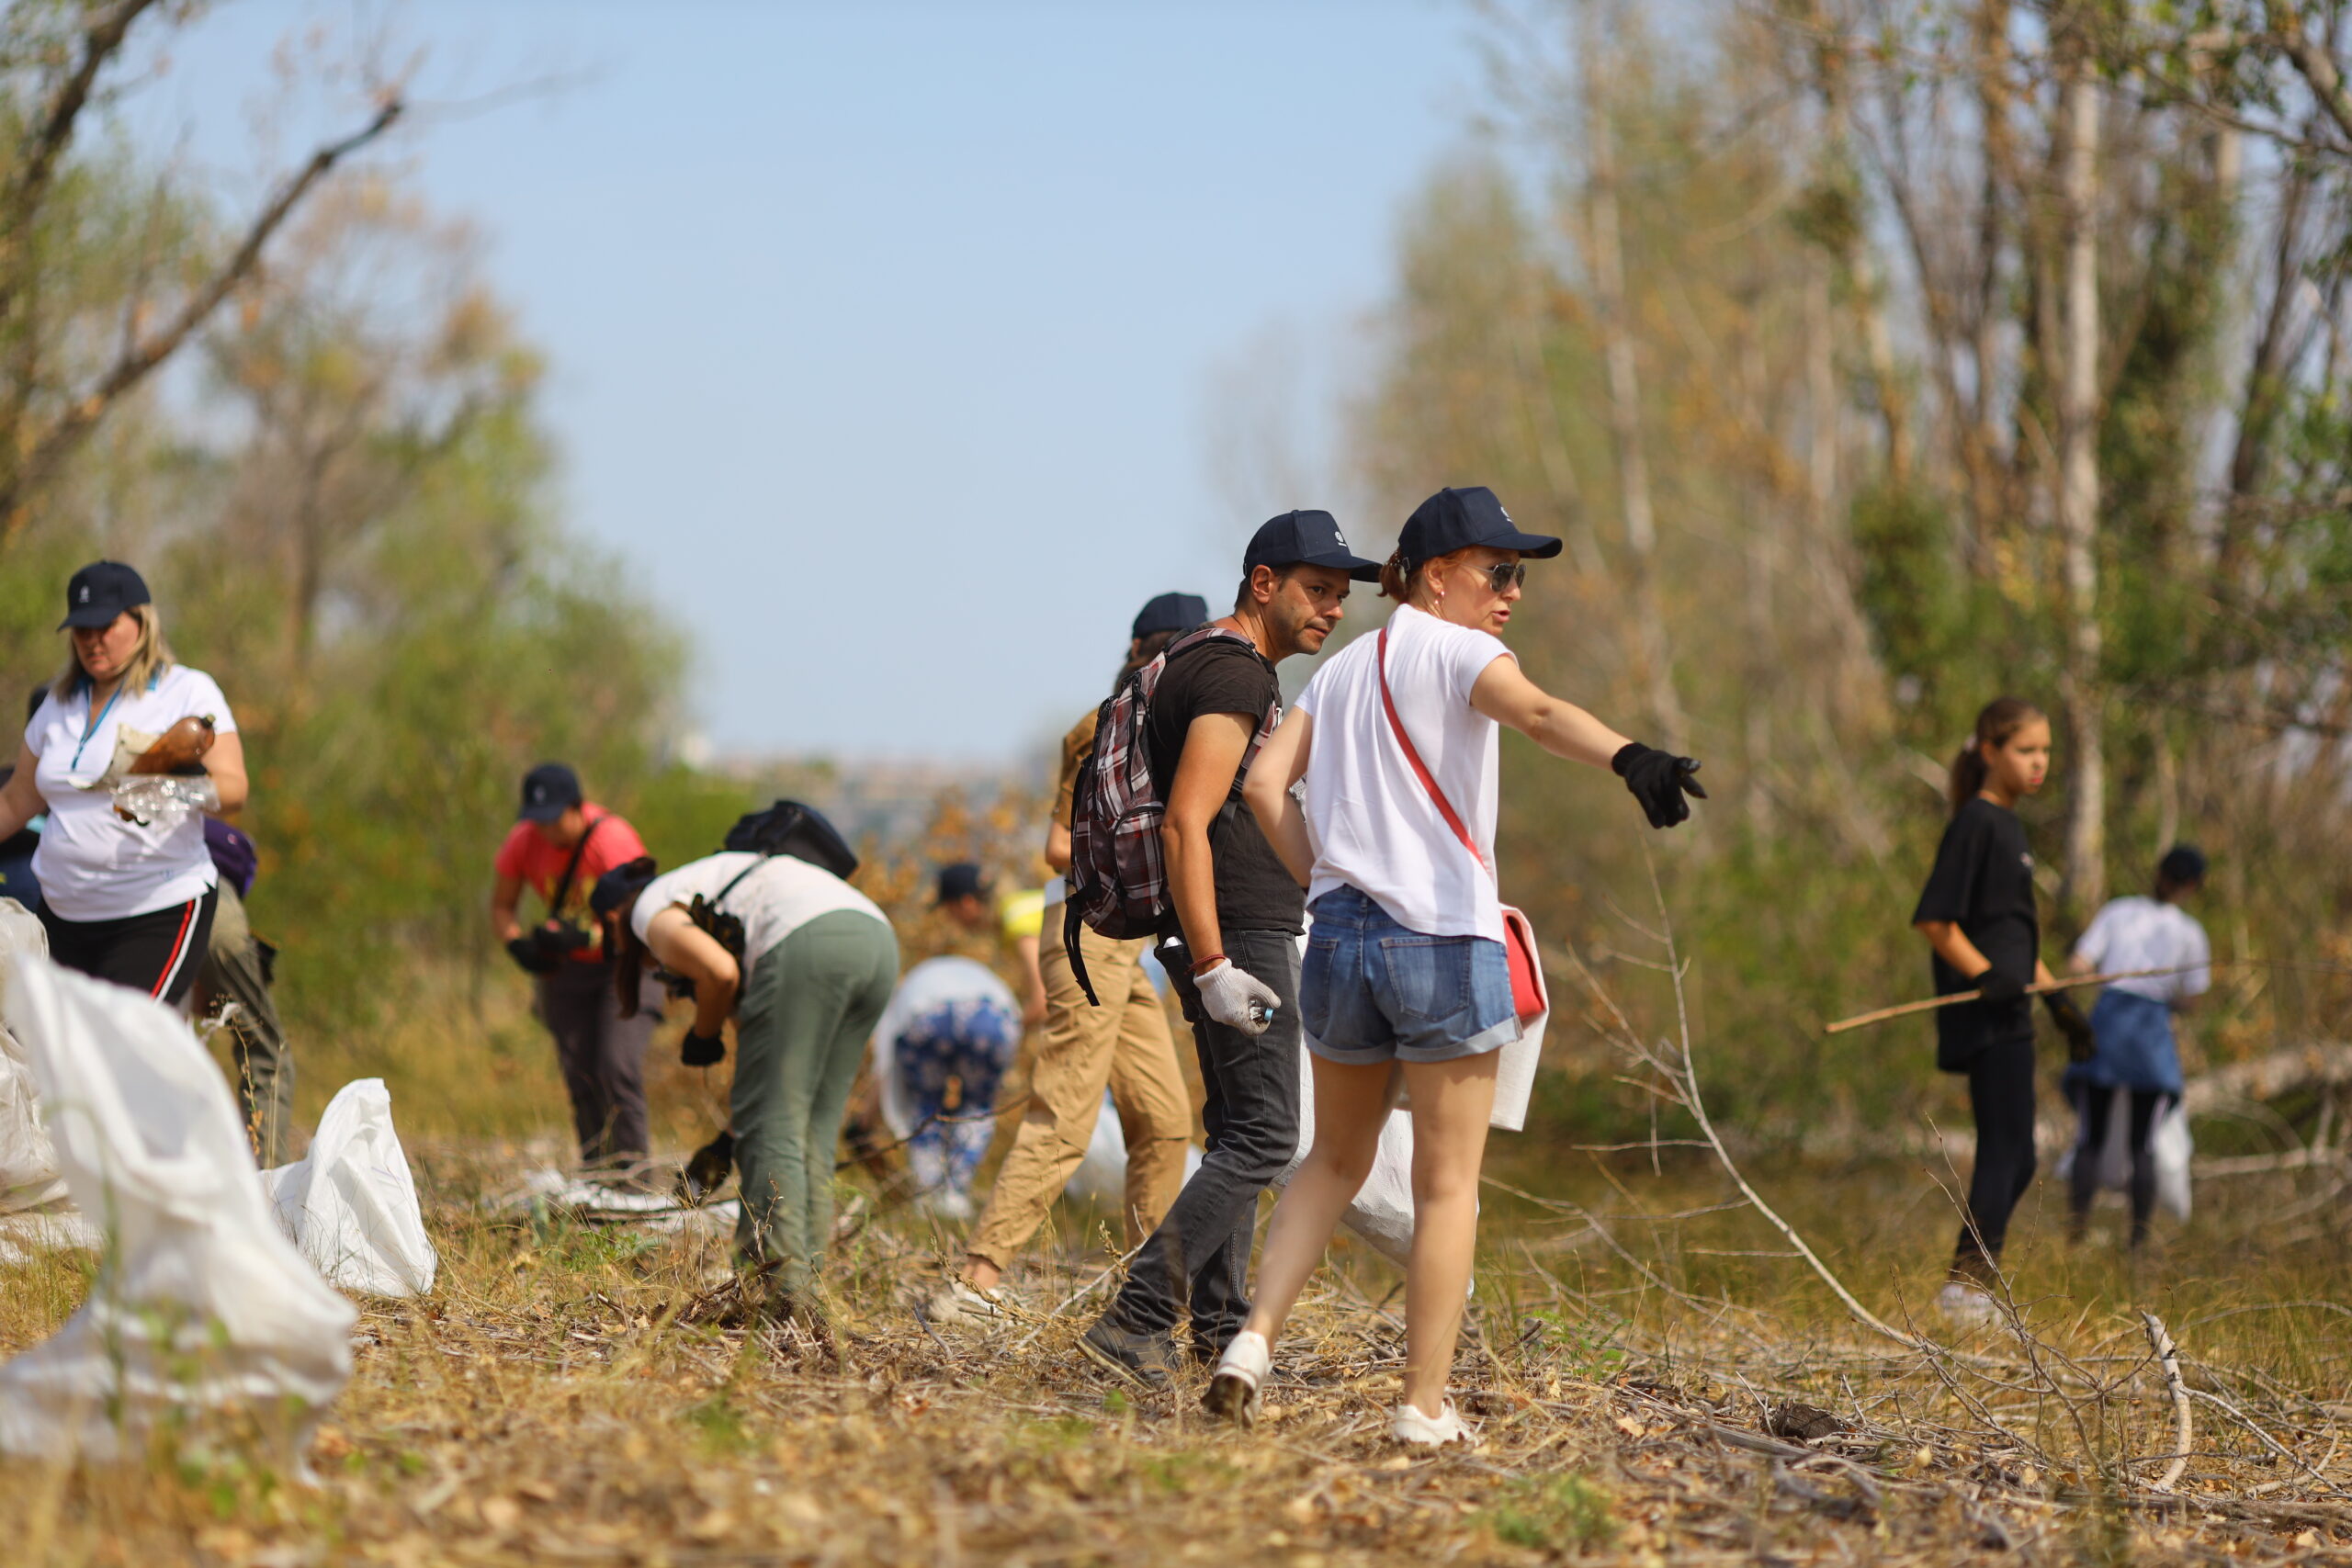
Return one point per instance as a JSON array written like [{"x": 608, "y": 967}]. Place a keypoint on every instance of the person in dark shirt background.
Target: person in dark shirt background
[
  {"x": 1977, "y": 913},
  {"x": 1231, "y": 952}
]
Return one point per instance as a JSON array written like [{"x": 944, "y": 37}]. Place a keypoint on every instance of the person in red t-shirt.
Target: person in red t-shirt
[{"x": 561, "y": 845}]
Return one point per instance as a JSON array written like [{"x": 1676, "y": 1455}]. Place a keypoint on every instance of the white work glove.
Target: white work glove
[{"x": 1236, "y": 999}]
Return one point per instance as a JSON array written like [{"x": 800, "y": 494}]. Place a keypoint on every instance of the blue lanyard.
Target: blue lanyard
[{"x": 92, "y": 726}]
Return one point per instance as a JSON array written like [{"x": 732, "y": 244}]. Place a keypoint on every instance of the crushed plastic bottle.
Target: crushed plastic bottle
[{"x": 166, "y": 798}]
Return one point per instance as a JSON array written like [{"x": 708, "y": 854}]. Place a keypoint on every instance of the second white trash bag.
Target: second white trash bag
[
  {"x": 200, "y": 1299},
  {"x": 28, "y": 1178},
  {"x": 350, "y": 1204}
]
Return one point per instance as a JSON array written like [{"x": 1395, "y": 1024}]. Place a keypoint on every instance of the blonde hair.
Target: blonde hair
[{"x": 147, "y": 662}]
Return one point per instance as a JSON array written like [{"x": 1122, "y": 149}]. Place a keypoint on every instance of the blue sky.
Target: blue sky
[{"x": 895, "y": 347}]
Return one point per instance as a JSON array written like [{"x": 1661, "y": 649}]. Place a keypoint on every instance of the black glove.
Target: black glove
[
  {"x": 1660, "y": 780},
  {"x": 532, "y": 956},
  {"x": 2081, "y": 1043},
  {"x": 1995, "y": 986},
  {"x": 702, "y": 1050},
  {"x": 707, "y": 1171}
]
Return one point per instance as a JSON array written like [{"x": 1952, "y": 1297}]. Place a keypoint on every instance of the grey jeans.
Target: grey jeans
[
  {"x": 601, "y": 1055},
  {"x": 1199, "y": 1258}
]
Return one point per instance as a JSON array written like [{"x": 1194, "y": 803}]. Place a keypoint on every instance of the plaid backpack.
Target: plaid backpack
[{"x": 1118, "y": 871}]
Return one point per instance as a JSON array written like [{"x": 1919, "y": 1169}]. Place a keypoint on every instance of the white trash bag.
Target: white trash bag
[
  {"x": 28, "y": 1176},
  {"x": 1102, "y": 1176},
  {"x": 200, "y": 1299},
  {"x": 1383, "y": 1211},
  {"x": 351, "y": 1203},
  {"x": 2169, "y": 1145}
]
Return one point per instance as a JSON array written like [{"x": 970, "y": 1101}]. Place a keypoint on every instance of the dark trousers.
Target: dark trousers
[
  {"x": 2000, "y": 1091},
  {"x": 603, "y": 1058},
  {"x": 2097, "y": 1107},
  {"x": 158, "y": 953},
  {"x": 1199, "y": 1258}
]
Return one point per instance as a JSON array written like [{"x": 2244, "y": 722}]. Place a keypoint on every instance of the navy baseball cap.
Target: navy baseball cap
[
  {"x": 101, "y": 591},
  {"x": 1170, "y": 612},
  {"x": 1456, "y": 519},
  {"x": 548, "y": 790},
  {"x": 2182, "y": 866},
  {"x": 621, "y": 884},
  {"x": 962, "y": 880},
  {"x": 1306, "y": 538}
]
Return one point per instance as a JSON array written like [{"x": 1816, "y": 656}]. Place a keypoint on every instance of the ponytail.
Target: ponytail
[{"x": 2000, "y": 718}]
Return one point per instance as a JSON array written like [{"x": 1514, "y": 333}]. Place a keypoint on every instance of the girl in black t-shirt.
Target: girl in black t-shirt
[{"x": 1977, "y": 913}]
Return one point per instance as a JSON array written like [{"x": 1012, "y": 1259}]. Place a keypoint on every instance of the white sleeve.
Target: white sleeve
[
  {"x": 1313, "y": 691},
  {"x": 2091, "y": 946},
  {"x": 205, "y": 696},
  {"x": 1467, "y": 657},
  {"x": 2200, "y": 956}
]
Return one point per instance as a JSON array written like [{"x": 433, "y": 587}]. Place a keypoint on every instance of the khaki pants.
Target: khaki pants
[
  {"x": 265, "y": 1066},
  {"x": 1122, "y": 1046}
]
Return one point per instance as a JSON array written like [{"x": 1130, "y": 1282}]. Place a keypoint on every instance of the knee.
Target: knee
[
  {"x": 1260, "y": 1150},
  {"x": 1344, "y": 1160}
]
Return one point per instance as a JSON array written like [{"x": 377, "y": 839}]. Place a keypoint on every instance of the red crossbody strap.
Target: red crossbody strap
[{"x": 1421, "y": 769}]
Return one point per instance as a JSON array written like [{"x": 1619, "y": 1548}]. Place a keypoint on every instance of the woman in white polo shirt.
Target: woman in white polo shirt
[
  {"x": 1396, "y": 738},
  {"x": 125, "y": 900}
]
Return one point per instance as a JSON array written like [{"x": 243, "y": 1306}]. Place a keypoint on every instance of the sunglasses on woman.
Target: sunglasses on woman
[{"x": 1505, "y": 575}]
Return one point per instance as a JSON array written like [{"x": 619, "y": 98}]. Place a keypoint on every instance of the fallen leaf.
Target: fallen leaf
[
  {"x": 502, "y": 1513},
  {"x": 715, "y": 1524}
]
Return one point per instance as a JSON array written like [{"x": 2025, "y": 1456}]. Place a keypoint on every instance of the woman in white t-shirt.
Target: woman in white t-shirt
[
  {"x": 1405, "y": 964},
  {"x": 123, "y": 900},
  {"x": 817, "y": 963}
]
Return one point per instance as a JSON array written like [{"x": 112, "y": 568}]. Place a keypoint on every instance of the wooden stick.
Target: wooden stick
[{"x": 1932, "y": 1003}]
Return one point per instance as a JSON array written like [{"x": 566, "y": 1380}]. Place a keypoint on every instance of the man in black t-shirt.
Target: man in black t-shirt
[{"x": 1231, "y": 949}]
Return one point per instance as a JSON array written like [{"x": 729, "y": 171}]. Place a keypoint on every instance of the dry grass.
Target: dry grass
[{"x": 546, "y": 1406}]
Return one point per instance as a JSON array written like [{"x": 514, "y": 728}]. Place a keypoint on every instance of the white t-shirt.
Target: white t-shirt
[
  {"x": 2143, "y": 933},
  {"x": 1372, "y": 825},
  {"x": 92, "y": 865},
  {"x": 785, "y": 894}
]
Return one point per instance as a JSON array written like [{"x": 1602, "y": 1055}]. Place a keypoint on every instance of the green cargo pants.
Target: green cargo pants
[
  {"x": 262, "y": 1069},
  {"x": 801, "y": 1028}
]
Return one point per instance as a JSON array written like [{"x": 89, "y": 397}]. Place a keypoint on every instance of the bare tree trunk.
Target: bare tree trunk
[
  {"x": 2080, "y": 681},
  {"x": 1607, "y": 259}
]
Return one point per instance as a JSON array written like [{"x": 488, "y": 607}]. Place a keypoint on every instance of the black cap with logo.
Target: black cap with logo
[
  {"x": 549, "y": 790},
  {"x": 100, "y": 591},
  {"x": 1170, "y": 612},
  {"x": 1456, "y": 519},
  {"x": 1306, "y": 538}
]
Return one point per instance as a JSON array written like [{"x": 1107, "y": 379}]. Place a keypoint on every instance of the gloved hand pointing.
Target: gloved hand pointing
[
  {"x": 1660, "y": 780},
  {"x": 1236, "y": 999}
]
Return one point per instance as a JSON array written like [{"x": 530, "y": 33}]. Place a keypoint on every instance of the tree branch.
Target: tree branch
[
  {"x": 83, "y": 414},
  {"x": 2313, "y": 64}
]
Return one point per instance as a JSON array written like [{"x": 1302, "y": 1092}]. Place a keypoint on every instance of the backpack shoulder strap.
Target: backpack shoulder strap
[{"x": 571, "y": 867}]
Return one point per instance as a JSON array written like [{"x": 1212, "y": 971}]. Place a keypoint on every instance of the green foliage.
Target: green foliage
[{"x": 1552, "y": 1513}]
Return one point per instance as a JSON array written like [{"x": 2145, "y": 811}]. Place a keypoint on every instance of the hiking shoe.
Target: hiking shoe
[
  {"x": 1236, "y": 1390},
  {"x": 959, "y": 1306},
  {"x": 1409, "y": 1426},
  {"x": 1144, "y": 1360},
  {"x": 1964, "y": 1306}
]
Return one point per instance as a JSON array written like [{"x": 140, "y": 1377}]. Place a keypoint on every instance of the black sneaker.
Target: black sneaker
[{"x": 1145, "y": 1359}]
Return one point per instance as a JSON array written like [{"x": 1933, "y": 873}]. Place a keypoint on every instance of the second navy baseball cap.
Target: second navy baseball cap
[{"x": 1306, "y": 538}]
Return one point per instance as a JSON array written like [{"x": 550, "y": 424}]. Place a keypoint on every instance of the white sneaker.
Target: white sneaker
[
  {"x": 957, "y": 1305},
  {"x": 1409, "y": 1425},
  {"x": 1235, "y": 1391},
  {"x": 1965, "y": 1306}
]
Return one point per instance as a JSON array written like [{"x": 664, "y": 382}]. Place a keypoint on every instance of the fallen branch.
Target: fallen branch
[{"x": 2169, "y": 1360}]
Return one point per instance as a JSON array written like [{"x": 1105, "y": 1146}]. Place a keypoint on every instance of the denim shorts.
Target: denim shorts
[{"x": 1372, "y": 991}]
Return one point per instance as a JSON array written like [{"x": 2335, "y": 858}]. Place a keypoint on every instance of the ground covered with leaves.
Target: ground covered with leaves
[{"x": 1650, "y": 1379}]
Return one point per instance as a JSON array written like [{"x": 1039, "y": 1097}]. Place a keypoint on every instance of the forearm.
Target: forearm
[
  {"x": 502, "y": 920},
  {"x": 1058, "y": 847},
  {"x": 714, "y": 1003},
  {"x": 1191, "y": 888},
  {"x": 1952, "y": 944},
  {"x": 1284, "y": 825},
  {"x": 1567, "y": 730}
]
